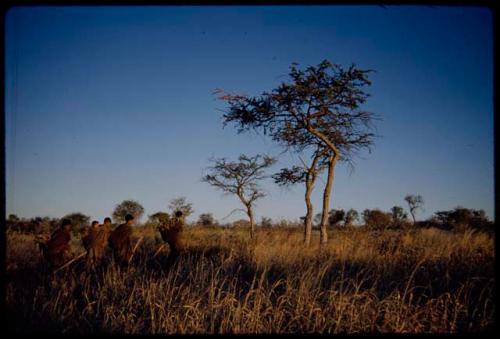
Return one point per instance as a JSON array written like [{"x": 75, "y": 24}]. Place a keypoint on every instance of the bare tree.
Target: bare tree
[
  {"x": 240, "y": 178},
  {"x": 318, "y": 107},
  {"x": 414, "y": 202}
]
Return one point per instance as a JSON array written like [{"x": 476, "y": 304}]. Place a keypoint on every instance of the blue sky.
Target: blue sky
[{"x": 105, "y": 104}]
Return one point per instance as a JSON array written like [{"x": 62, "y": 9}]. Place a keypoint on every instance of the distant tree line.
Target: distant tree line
[
  {"x": 81, "y": 222},
  {"x": 457, "y": 219}
]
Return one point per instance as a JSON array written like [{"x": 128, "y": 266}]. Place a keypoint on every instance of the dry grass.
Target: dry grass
[{"x": 423, "y": 281}]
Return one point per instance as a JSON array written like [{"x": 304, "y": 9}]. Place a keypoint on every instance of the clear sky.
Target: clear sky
[{"x": 105, "y": 104}]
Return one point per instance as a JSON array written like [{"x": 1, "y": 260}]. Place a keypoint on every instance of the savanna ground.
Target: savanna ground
[{"x": 425, "y": 280}]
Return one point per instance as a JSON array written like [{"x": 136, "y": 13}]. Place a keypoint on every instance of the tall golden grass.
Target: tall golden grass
[{"x": 419, "y": 281}]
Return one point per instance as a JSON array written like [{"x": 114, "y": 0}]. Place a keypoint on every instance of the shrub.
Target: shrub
[
  {"x": 460, "y": 218},
  {"x": 206, "y": 219},
  {"x": 376, "y": 219}
]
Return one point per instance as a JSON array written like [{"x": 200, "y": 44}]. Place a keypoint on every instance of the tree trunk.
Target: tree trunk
[
  {"x": 248, "y": 205},
  {"x": 310, "y": 179},
  {"x": 252, "y": 225},
  {"x": 326, "y": 199},
  {"x": 309, "y": 206}
]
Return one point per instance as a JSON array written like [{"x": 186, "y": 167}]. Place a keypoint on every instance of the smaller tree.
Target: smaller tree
[
  {"x": 415, "y": 202},
  {"x": 335, "y": 217},
  {"x": 181, "y": 204},
  {"x": 399, "y": 216},
  {"x": 351, "y": 216},
  {"x": 206, "y": 219},
  {"x": 128, "y": 207},
  {"x": 241, "y": 179}
]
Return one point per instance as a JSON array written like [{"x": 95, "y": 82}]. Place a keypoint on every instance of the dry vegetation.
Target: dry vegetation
[{"x": 421, "y": 281}]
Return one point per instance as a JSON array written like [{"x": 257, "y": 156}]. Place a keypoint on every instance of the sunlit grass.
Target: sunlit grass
[{"x": 421, "y": 281}]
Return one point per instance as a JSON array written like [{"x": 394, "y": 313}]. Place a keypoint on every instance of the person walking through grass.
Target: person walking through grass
[
  {"x": 56, "y": 252},
  {"x": 171, "y": 233},
  {"x": 96, "y": 241},
  {"x": 120, "y": 241}
]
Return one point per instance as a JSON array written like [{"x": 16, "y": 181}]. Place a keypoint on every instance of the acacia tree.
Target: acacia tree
[
  {"x": 320, "y": 106},
  {"x": 240, "y": 178},
  {"x": 414, "y": 202},
  {"x": 128, "y": 207}
]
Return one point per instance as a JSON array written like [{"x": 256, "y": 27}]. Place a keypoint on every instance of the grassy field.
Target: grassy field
[{"x": 422, "y": 281}]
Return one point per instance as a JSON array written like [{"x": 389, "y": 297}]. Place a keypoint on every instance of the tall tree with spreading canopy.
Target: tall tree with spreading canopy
[
  {"x": 318, "y": 107},
  {"x": 241, "y": 178}
]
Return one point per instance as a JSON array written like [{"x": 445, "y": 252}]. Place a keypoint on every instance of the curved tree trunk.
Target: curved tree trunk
[
  {"x": 248, "y": 205},
  {"x": 309, "y": 206},
  {"x": 310, "y": 179},
  {"x": 326, "y": 199}
]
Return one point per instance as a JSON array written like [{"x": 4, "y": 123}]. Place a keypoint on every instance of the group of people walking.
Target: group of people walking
[{"x": 101, "y": 237}]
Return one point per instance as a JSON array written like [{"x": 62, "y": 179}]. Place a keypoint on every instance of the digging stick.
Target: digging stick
[
  {"x": 135, "y": 248},
  {"x": 69, "y": 262},
  {"x": 158, "y": 251}
]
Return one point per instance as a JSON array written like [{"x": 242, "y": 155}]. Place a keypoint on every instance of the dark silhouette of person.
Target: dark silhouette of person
[
  {"x": 171, "y": 232},
  {"x": 58, "y": 245},
  {"x": 96, "y": 242},
  {"x": 120, "y": 240}
]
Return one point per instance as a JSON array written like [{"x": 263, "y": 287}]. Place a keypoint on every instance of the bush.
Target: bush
[
  {"x": 335, "y": 217},
  {"x": 206, "y": 219},
  {"x": 266, "y": 222},
  {"x": 377, "y": 219},
  {"x": 460, "y": 219}
]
